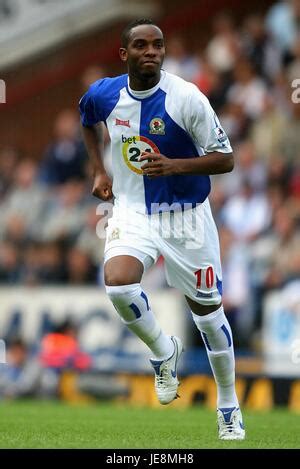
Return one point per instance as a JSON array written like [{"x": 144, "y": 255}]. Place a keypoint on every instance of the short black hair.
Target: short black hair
[{"x": 125, "y": 36}]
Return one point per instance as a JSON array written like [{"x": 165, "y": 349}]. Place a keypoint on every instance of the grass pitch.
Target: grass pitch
[{"x": 40, "y": 424}]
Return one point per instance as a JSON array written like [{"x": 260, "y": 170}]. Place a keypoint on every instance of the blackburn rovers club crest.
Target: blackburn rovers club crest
[
  {"x": 157, "y": 126},
  {"x": 115, "y": 234}
]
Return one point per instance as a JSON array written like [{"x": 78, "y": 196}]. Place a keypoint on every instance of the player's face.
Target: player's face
[{"x": 145, "y": 51}]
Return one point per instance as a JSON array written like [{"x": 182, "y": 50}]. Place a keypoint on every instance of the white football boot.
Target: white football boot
[
  {"x": 166, "y": 382},
  {"x": 230, "y": 424}
]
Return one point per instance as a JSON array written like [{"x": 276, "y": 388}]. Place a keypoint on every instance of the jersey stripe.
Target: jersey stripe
[{"x": 175, "y": 143}]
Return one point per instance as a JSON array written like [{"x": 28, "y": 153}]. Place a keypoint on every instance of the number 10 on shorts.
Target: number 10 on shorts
[{"x": 204, "y": 275}]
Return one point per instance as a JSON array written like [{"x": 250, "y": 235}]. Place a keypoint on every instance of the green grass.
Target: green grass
[{"x": 35, "y": 424}]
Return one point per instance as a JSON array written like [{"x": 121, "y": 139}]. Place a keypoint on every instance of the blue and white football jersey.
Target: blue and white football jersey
[{"x": 174, "y": 118}]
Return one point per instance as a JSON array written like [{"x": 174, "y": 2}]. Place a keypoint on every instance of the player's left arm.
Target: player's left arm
[
  {"x": 212, "y": 163},
  {"x": 204, "y": 127}
]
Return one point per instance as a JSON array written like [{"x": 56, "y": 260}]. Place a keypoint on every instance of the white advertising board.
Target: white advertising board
[
  {"x": 27, "y": 312},
  {"x": 281, "y": 332}
]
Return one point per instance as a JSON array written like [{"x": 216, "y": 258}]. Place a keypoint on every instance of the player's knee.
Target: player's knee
[
  {"x": 201, "y": 309},
  {"x": 119, "y": 277},
  {"x": 114, "y": 279},
  {"x": 122, "y": 297}
]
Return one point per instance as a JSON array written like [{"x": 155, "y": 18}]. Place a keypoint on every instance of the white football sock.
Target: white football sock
[
  {"x": 133, "y": 307},
  {"x": 217, "y": 336}
]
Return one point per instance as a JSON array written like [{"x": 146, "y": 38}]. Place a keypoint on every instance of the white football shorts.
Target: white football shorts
[{"x": 188, "y": 241}]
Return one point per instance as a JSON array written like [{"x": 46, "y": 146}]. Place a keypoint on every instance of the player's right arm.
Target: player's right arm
[
  {"x": 93, "y": 139},
  {"x": 91, "y": 122}
]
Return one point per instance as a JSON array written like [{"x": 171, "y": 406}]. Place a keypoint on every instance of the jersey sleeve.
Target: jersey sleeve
[
  {"x": 205, "y": 126},
  {"x": 89, "y": 112}
]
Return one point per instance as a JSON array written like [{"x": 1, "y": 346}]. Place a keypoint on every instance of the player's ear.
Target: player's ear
[{"x": 123, "y": 54}]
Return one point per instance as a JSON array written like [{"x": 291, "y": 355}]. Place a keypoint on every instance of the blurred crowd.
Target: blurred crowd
[
  {"x": 56, "y": 368},
  {"x": 48, "y": 217}
]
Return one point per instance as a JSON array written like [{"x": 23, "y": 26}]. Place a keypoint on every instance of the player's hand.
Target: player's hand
[
  {"x": 157, "y": 165},
  {"x": 102, "y": 187}
]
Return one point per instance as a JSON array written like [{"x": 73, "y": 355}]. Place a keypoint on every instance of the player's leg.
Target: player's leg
[
  {"x": 195, "y": 269},
  {"x": 216, "y": 333},
  {"x": 123, "y": 275},
  {"x": 130, "y": 250}
]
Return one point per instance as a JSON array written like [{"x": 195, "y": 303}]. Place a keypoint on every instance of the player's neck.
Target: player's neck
[{"x": 144, "y": 83}]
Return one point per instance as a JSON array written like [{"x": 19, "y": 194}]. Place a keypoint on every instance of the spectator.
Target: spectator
[
  {"x": 285, "y": 257},
  {"x": 293, "y": 70},
  {"x": 80, "y": 270},
  {"x": 275, "y": 259},
  {"x": 60, "y": 349},
  {"x": 268, "y": 130},
  {"x": 235, "y": 122},
  {"x": 88, "y": 240},
  {"x": 259, "y": 48},
  {"x": 66, "y": 212},
  {"x": 236, "y": 280},
  {"x": 52, "y": 270},
  {"x": 248, "y": 90},
  {"x": 178, "y": 61},
  {"x": 25, "y": 199},
  {"x": 248, "y": 169},
  {"x": 16, "y": 230},
  {"x": 8, "y": 161},
  {"x": 31, "y": 266},
  {"x": 21, "y": 376},
  {"x": 65, "y": 158},
  {"x": 9, "y": 263},
  {"x": 282, "y": 22},
  {"x": 290, "y": 138},
  {"x": 247, "y": 214},
  {"x": 223, "y": 49},
  {"x": 212, "y": 83}
]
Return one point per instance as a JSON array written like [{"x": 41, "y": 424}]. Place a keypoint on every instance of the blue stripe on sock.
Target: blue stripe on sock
[
  {"x": 143, "y": 295},
  {"x": 206, "y": 340},
  {"x": 136, "y": 310},
  {"x": 227, "y": 333}
]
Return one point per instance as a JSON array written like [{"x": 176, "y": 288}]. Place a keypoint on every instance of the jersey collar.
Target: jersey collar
[{"x": 145, "y": 93}]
